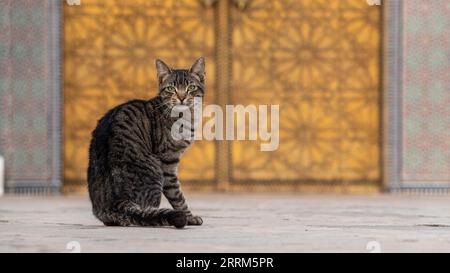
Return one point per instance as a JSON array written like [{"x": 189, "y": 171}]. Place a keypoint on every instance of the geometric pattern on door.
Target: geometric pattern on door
[
  {"x": 109, "y": 52},
  {"x": 319, "y": 60}
]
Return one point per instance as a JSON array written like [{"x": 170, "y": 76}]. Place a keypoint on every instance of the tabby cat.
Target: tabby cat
[{"x": 133, "y": 158}]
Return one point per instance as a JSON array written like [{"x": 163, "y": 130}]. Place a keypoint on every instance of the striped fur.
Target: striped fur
[{"x": 133, "y": 158}]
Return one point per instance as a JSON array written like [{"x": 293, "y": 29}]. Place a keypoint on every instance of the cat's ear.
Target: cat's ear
[
  {"x": 163, "y": 70},
  {"x": 198, "y": 69}
]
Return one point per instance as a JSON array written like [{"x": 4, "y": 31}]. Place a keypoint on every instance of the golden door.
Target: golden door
[{"x": 318, "y": 59}]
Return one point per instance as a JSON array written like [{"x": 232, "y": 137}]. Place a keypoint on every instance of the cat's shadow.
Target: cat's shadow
[{"x": 138, "y": 227}]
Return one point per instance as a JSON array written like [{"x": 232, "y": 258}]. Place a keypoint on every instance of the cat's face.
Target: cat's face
[{"x": 181, "y": 86}]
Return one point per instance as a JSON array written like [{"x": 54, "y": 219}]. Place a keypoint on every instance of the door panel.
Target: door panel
[
  {"x": 319, "y": 60},
  {"x": 109, "y": 53}
]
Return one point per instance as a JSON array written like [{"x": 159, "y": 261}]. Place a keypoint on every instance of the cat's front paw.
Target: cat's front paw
[
  {"x": 177, "y": 218},
  {"x": 194, "y": 221}
]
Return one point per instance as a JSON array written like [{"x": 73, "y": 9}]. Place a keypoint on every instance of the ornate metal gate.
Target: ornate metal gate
[
  {"x": 319, "y": 60},
  {"x": 110, "y": 49}
]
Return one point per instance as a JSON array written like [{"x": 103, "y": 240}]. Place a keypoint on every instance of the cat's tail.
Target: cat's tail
[{"x": 158, "y": 217}]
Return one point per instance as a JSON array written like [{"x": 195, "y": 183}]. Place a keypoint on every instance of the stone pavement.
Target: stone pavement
[{"x": 238, "y": 223}]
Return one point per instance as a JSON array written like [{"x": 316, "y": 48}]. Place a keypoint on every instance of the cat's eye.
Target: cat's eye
[
  {"x": 170, "y": 89},
  {"x": 191, "y": 88}
]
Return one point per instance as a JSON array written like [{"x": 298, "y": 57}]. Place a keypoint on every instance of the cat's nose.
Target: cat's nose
[{"x": 181, "y": 97}]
